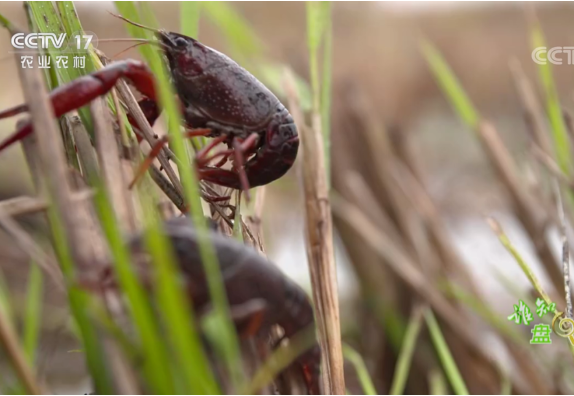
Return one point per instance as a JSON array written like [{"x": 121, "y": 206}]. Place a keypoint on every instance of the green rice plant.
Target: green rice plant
[
  {"x": 78, "y": 300},
  {"x": 190, "y": 184},
  {"x": 357, "y": 361},
  {"x": 189, "y": 18},
  {"x": 553, "y": 109},
  {"x": 449, "y": 365},
  {"x": 155, "y": 355},
  {"x": 244, "y": 43},
  {"x": 319, "y": 33},
  {"x": 33, "y": 312},
  {"x": 450, "y": 86},
  {"x": 407, "y": 350},
  {"x": 48, "y": 20}
]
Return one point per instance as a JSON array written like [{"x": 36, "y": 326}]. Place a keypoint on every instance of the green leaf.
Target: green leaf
[
  {"x": 189, "y": 14},
  {"x": 33, "y": 313},
  {"x": 242, "y": 40},
  {"x": 190, "y": 185},
  {"x": 407, "y": 350},
  {"x": 553, "y": 108},
  {"x": 448, "y": 363},
  {"x": 155, "y": 356},
  {"x": 450, "y": 85},
  {"x": 357, "y": 361}
]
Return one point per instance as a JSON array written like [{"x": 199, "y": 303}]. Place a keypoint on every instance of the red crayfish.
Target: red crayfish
[
  {"x": 249, "y": 279},
  {"x": 219, "y": 99}
]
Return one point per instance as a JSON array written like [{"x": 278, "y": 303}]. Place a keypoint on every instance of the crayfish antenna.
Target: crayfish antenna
[
  {"x": 138, "y": 41},
  {"x": 135, "y": 23},
  {"x": 127, "y": 49}
]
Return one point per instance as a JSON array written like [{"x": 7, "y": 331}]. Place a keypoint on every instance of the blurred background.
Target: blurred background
[{"x": 380, "y": 80}]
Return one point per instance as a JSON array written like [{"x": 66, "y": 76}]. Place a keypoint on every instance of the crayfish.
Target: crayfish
[
  {"x": 254, "y": 286},
  {"x": 218, "y": 99}
]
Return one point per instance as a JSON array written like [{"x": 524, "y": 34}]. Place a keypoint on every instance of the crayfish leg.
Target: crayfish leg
[
  {"x": 14, "y": 111},
  {"x": 20, "y": 133},
  {"x": 156, "y": 149},
  {"x": 240, "y": 149},
  {"x": 83, "y": 90},
  {"x": 202, "y": 158},
  {"x": 249, "y": 317}
]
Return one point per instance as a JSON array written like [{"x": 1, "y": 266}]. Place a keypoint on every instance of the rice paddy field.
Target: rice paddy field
[{"x": 286, "y": 198}]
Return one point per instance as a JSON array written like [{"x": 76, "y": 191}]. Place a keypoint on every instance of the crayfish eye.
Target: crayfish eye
[{"x": 181, "y": 42}]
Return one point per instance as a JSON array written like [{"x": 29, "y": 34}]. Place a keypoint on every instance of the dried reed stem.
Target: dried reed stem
[
  {"x": 533, "y": 111},
  {"x": 526, "y": 209},
  {"x": 253, "y": 222},
  {"x": 25, "y": 205},
  {"x": 111, "y": 173},
  {"x": 404, "y": 266},
  {"x": 111, "y": 165},
  {"x": 384, "y": 159},
  {"x": 10, "y": 343},
  {"x": 440, "y": 239},
  {"x": 320, "y": 249},
  {"x": 28, "y": 245},
  {"x": 147, "y": 131},
  {"x": 85, "y": 242},
  {"x": 83, "y": 146},
  {"x": 565, "y": 250},
  {"x": 551, "y": 165}
]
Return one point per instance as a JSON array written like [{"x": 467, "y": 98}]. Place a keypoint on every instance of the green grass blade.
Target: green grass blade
[
  {"x": 33, "y": 313},
  {"x": 72, "y": 26},
  {"x": 279, "y": 359},
  {"x": 180, "y": 324},
  {"x": 326, "y": 90},
  {"x": 501, "y": 324},
  {"x": 156, "y": 363},
  {"x": 229, "y": 340},
  {"x": 78, "y": 300},
  {"x": 244, "y": 44},
  {"x": 6, "y": 23},
  {"x": 51, "y": 74},
  {"x": 191, "y": 191},
  {"x": 407, "y": 350},
  {"x": 189, "y": 26},
  {"x": 5, "y": 300},
  {"x": 190, "y": 15},
  {"x": 319, "y": 33},
  {"x": 448, "y": 363},
  {"x": 388, "y": 317},
  {"x": 450, "y": 85},
  {"x": 553, "y": 108},
  {"x": 272, "y": 74},
  {"x": 316, "y": 21},
  {"x": 503, "y": 238},
  {"x": 437, "y": 382},
  {"x": 362, "y": 373},
  {"x": 47, "y": 19},
  {"x": 505, "y": 384}
]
